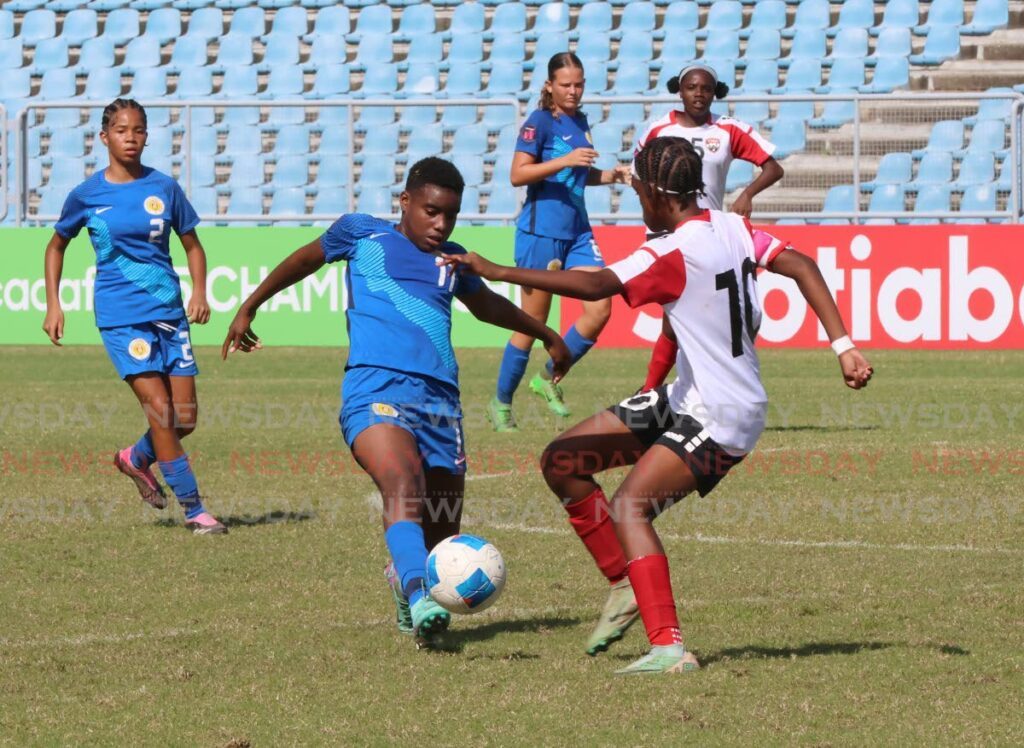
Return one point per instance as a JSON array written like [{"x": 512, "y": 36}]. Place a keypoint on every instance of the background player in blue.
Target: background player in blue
[
  {"x": 400, "y": 411},
  {"x": 554, "y": 158},
  {"x": 129, "y": 211}
]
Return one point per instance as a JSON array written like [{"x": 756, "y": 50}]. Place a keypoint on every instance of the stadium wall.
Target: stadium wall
[{"x": 931, "y": 287}]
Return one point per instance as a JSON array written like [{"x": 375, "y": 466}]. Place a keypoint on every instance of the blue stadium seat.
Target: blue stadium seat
[
  {"x": 105, "y": 6},
  {"x": 50, "y": 54},
  {"x": 932, "y": 198},
  {"x": 66, "y": 174},
  {"x": 988, "y": 136},
  {"x": 423, "y": 142},
  {"x": 976, "y": 168},
  {"x": 79, "y": 25},
  {"x": 741, "y": 173},
  {"x": 141, "y": 52},
  {"x": 807, "y": 44},
  {"x": 679, "y": 16},
  {"x": 67, "y": 144},
  {"x": 469, "y": 140},
  {"x": 1004, "y": 184},
  {"x": 37, "y": 25},
  {"x": 899, "y": 14},
  {"x": 380, "y": 141},
  {"x": 598, "y": 200},
  {"x": 58, "y": 83},
  {"x": 607, "y": 139},
  {"x": 992, "y": 109},
  {"x": 245, "y": 202},
  {"x": 792, "y": 111},
  {"x": 204, "y": 142},
  {"x": 789, "y": 136},
  {"x": 768, "y": 16},
  {"x": 506, "y": 49},
  {"x": 942, "y": 13},
  {"x": 466, "y": 48},
  {"x": 325, "y": 51},
  {"x": 834, "y": 113},
  {"x": 722, "y": 43},
  {"x": 103, "y": 84},
  {"x": 463, "y": 80},
  {"x": 331, "y": 201},
  {"x": 846, "y": 73},
  {"x": 189, "y": 52},
  {"x": 840, "y": 198},
  {"x": 935, "y": 168},
  {"x": 333, "y": 172},
  {"x": 989, "y": 15},
  {"x": 332, "y": 22},
  {"x": 200, "y": 172},
  {"x": 891, "y": 42},
  {"x": 16, "y": 90},
  {"x": 194, "y": 83},
  {"x": 239, "y": 82},
  {"x": 505, "y": 80},
  {"x": 248, "y": 21},
  {"x": 497, "y": 117},
  {"x": 206, "y": 22},
  {"x": 890, "y": 73},
  {"x": 503, "y": 199},
  {"x": 629, "y": 203},
  {"x": 290, "y": 21},
  {"x": 632, "y": 81},
  {"x": 374, "y": 50},
  {"x": 146, "y": 6},
  {"x": 246, "y": 172},
  {"x": 724, "y": 15},
  {"x": 593, "y": 48},
  {"x": 942, "y": 43},
  {"x": 762, "y": 44},
  {"x": 803, "y": 74},
  {"x": 334, "y": 142},
  {"x": 552, "y": 17},
  {"x": 204, "y": 200},
  {"x": 378, "y": 172},
  {"x": 506, "y": 144},
  {"x": 243, "y": 141},
  {"x": 330, "y": 81},
  {"x": 422, "y": 81},
  {"x": 160, "y": 143},
  {"x": 855, "y": 14},
  {"x": 149, "y": 83},
  {"x": 287, "y": 201},
  {"x": 946, "y": 135},
  {"x": 593, "y": 18},
  {"x": 292, "y": 140},
  {"x": 95, "y": 54},
  {"x": 468, "y": 18},
  {"x": 761, "y": 77},
  {"x": 751, "y": 112},
  {"x": 637, "y": 16},
  {"x": 979, "y": 197},
  {"x": 23, "y": 6},
  {"x": 470, "y": 201},
  {"x": 165, "y": 24},
  {"x": 376, "y": 202},
  {"x": 637, "y": 48},
  {"x": 470, "y": 166},
  {"x": 6, "y": 24},
  {"x": 625, "y": 115},
  {"x": 12, "y": 54},
  {"x": 291, "y": 171},
  {"x": 810, "y": 15},
  {"x": 285, "y": 82},
  {"x": 235, "y": 49},
  {"x": 894, "y": 168},
  {"x": 547, "y": 47},
  {"x": 282, "y": 50},
  {"x": 425, "y": 48},
  {"x": 372, "y": 19},
  {"x": 509, "y": 17},
  {"x": 849, "y": 43},
  {"x": 597, "y": 78}
]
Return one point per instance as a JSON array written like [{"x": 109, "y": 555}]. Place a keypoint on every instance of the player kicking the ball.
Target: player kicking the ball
[
  {"x": 400, "y": 413},
  {"x": 687, "y": 435}
]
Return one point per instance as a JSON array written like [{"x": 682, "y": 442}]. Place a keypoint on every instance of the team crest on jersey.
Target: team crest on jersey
[
  {"x": 529, "y": 134},
  {"x": 383, "y": 409},
  {"x": 154, "y": 205},
  {"x": 139, "y": 349},
  {"x": 555, "y": 265},
  {"x": 713, "y": 144},
  {"x": 590, "y": 138}
]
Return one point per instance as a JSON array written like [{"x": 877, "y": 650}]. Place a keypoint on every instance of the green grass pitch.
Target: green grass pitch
[{"x": 856, "y": 581}]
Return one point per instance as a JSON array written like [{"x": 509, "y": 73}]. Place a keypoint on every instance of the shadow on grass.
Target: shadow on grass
[
  {"x": 811, "y": 649},
  {"x": 811, "y": 427},
  {"x": 455, "y": 640},
  {"x": 251, "y": 520}
]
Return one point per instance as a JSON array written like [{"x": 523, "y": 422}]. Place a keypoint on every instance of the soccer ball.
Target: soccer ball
[{"x": 465, "y": 574}]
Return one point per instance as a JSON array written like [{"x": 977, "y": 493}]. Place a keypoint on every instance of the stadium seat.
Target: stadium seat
[
  {"x": 932, "y": 198},
  {"x": 194, "y": 83},
  {"x": 204, "y": 142},
  {"x": 380, "y": 80},
  {"x": 547, "y": 47},
  {"x": 768, "y": 16},
  {"x": 103, "y": 84},
  {"x": 762, "y": 44},
  {"x": 988, "y": 136},
  {"x": 598, "y": 201},
  {"x": 80, "y": 24},
  {"x": 979, "y": 198},
  {"x": 37, "y": 25},
  {"x": 380, "y": 141},
  {"x": 505, "y": 80},
  {"x": 463, "y": 80},
  {"x": 105, "y": 6},
  {"x": 834, "y": 113},
  {"x": 372, "y": 19},
  {"x": 890, "y": 73},
  {"x": 330, "y": 81},
  {"x": 792, "y": 111},
  {"x": 16, "y": 90},
  {"x": 470, "y": 166},
  {"x": 552, "y": 17},
  {"x": 976, "y": 168},
  {"x": 724, "y": 15},
  {"x": 509, "y": 17},
  {"x": 854, "y": 14},
  {"x": 466, "y": 48},
  {"x": 290, "y": 21},
  {"x": 248, "y": 21},
  {"x": 165, "y": 24},
  {"x": 721, "y": 43},
  {"x": 637, "y": 16},
  {"x": 894, "y": 168},
  {"x": 422, "y": 81},
  {"x": 498, "y": 117},
  {"x": 468, "y": 18},
  {"x": 6, "y": 24},
  {"x": 292, "y": 140},
  {"x": 632, "y": 81},
  {"x": 625, "y": 115},
  {"x": 291, "y": 171},
  {"x": 334, "y": 142},
  {"x": 288, "y": 201},
  {"x": 629, "y": 205},
  {"x": 245, "y": 202},
  {"x": 752, "y": 112},
  {"x": 886, "y": 198},
  {"x": 332, "y": 22},
  {"x": 58, "y": 83},
  {"x": 607, "y": 139},
  {"x": 423, "y": 142},
  {"x": 199, "y": 172},
  {"x": 849, "y": 43},
  {"x": 469, "y": 140},
  {"x": 810, "y": 15},
  {"x": 374, "y": 50},
  {"x": 50, "y": 54},
  {"x": 247, "y": 171},
  {"x": 840, "y": 198},
  {"x": 503, "y": 199},
  {"x": 947, "y": 13},
  {"x": 239, "y": 82},
  {"x": 375, "y": 201},
  {"x": 637, "y": 48},
  {"x": 149, "y": 83},
  {"x": 946, "y": 135},
  {"x": 899, "y": 14},
  {"x": 935, "y": 168},
  {"x": 95, "y": 54},
  {"x": 243, "y": 141},
  {"x": 989, "y": 15},
  {"x": 325, "y": 52},
  {"x": 204, "y": 200},
  {"x": 66, "y": 144},
  {"x": 425, "y": 48},
  {"x": 331, "y": 201},
  {"x": 679, "y": 16},
  {"x": 593, "y": 18},
  {"x": 189, "y": 52},
  {"x": 160, "y": 143},
  {"x": 943, "y": 43},
  {"x": 846, "y": 73},
  {"x": 235, "y": 49},
  {"x": 508, "y": 49},
  {"x": 282, "y": 50},
  {"x": 992, "y": 109},
  {"x": 761, "y": 77},
  {"x": 741, "y": 173},
  {"x": 377, "y": 172},
  {"x": 593, "y": 48},
  {"x": 206, "y": 22},
  {"x": 891, "y": 42},
  {"x": 803, "y": 74},
  {"x": 807, "y": 44},
  {"x": 66, "y": 174},
  {"x": 141, "y": 52},
  {"x": 12, "y": 54}
]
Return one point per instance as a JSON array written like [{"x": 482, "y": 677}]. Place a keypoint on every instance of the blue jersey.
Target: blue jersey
[
  {"x": 129, "y": 226},
  {"x": 554, "y": 207},
  {"x": 399, "y": 300}
]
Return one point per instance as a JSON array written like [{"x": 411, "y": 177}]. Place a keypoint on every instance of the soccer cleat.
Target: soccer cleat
[
  {"x": 500, "y": 416},
  {"x": 428, "y": 620},
  {"x": 670, "y": 659},
  {"x": 552, "y": 393},
  {"x": 402, "y": 615},
  {"x": 619, "y": 613},
  {"x": 149, "y": 489},
  {"x": 205, "y": 524}
]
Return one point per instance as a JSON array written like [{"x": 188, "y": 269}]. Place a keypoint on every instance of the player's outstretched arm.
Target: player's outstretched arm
[
  {"x": 53, "y": 325},
  {"x": 198, "y": 308},
  {"x": 579, "y": 284},
  {"x": 489, "y": 307},
  {"x": 857, "y": 370},
  {"x": 300, "y": 263}
]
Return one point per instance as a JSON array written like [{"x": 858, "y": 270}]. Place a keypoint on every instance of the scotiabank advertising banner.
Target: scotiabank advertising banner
[{"x": 938, "y": 287}]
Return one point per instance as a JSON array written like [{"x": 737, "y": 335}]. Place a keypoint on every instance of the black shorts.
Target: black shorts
[{"x": 651, "y": 419}]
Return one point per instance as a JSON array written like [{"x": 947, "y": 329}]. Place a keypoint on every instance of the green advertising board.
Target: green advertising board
[{"x": 309, "y": 313}]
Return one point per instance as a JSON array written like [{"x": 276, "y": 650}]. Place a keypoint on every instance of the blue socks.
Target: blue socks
[
  {"x": 513, "y": 366},
  {"x": 178, "y": 475},
  {"x": 143, "y": 454},
  {"x": 408, "y": 551},
  {"x": 577, "y": 345}
]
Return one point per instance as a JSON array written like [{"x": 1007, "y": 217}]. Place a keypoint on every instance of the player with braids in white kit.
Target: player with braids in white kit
[{"x": 687, "y": 435}]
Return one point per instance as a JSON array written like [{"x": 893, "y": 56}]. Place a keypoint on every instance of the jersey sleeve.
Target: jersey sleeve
[
  {"x": 747, "y": 144},
  {"x": 466, "y": 284},
  {"x": 183, "y": 216},
  {"x": 339, "y": 241},
  {"x": 73, "y": 216},
  {"x": 766, "y": 246},
  {"x": 651, "y": 279},
  {"x": 532, "y": 134}
]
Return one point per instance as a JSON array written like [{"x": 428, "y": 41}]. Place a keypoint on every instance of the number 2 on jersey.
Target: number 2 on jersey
[
  {"x": 157, "y": 233},
  {"x": 727, "y": 281}
]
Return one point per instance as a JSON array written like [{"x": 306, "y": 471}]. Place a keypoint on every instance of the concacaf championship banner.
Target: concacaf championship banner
[{"x": 940, "y": 287}]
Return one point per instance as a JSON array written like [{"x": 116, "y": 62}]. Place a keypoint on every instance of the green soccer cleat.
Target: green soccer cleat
[
  {"x": 671, "y": 659},
  {"x": 402, "y": 615},
  {"x": 500, "y": 416},
  {"x": 428, "y": 620},
  {"x": 551, "y": 393},
  {"x": 619, "y": 613}
]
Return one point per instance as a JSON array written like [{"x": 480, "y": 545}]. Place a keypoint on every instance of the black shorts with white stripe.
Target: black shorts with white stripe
[{"x": 651, "y": 419}]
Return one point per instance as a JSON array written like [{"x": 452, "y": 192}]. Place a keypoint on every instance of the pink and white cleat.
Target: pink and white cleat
[
  {"x": 149, "y": 489},
  {"x": 205, "y": 524}
]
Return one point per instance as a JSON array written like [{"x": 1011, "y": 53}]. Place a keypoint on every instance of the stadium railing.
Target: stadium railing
[{"x": 844, "y": 150}]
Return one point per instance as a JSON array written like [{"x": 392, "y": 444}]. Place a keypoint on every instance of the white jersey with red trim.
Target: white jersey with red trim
[
  {"x": 718, "y": 141},
  {"x": 704, "y": 275}
]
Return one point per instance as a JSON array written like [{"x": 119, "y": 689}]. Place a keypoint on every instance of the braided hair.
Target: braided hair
[
  {"x": 111, "y": 110},
  {"x": 672, "y": 167}
]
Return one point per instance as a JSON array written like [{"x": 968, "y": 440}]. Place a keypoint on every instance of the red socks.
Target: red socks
[
  {"x": 663, "y": 358},
  {"x": 653, "y": 589},
  {"x": 590, "y": 519}
]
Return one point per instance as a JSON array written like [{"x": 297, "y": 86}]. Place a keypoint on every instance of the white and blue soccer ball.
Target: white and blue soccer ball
[{"x": 465, "y": 574}]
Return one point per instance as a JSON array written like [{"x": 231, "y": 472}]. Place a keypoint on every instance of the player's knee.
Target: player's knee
[
  {"x": 159, "y": 412},
  {"x": 599, "y": 312},
  {"x": 557, "y": 464},
  {"x": 185, "y": 419}
]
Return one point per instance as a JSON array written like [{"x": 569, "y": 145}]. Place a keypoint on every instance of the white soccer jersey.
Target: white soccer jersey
[
  {"x": 718, "y": 142},
  {"x": 704, "y": 275}
]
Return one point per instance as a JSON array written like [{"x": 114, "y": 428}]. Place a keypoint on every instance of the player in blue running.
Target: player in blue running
[
  {"x": 400, "y": 413},
  {"x": 129, "y": 210},
  {"x": 555, "y": 159}
]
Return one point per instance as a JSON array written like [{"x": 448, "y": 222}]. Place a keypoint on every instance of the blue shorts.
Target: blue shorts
[
  {"x": 426, "y": 408},
  {"x": 163, "y": 347},
  {"x": 543, "y": 253}
]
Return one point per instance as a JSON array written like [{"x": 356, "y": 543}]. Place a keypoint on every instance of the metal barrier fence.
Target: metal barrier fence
[{"x": 844, "y": 138}]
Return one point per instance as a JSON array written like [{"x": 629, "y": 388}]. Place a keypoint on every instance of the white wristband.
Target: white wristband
[{"x": 842, "y": 345}]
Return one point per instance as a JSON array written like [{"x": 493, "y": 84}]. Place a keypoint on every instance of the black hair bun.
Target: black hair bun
[
  {"x": 673, "y": 84},
  {"x": 721, "y": 89}
]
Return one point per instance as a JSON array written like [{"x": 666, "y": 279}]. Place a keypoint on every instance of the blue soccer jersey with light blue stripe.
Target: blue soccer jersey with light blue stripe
[
  {"x": 130, "y": 226},
  {"x": 399, "y": 300}
]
